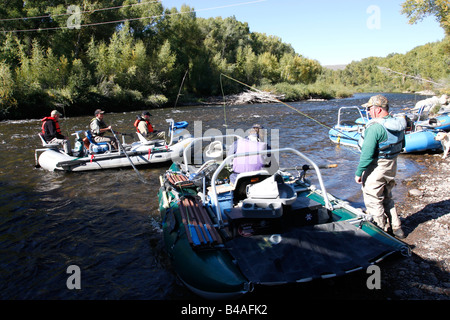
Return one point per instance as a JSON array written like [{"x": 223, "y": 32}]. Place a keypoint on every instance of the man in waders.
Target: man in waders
[{"x": 381, "y": 143}]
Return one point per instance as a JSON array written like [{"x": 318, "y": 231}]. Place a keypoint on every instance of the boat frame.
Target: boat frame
[{"x": 348, "y": 134}]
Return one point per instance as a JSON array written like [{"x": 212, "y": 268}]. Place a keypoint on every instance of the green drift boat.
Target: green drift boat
[{"x": 266, "y": 228}]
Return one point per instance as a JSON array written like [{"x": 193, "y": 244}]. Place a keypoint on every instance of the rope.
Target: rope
[
  {"x": 81, "y": 12},
  {"x": 224, "y": 103},
  {"x": 132, "y": 19},
  {"x": 302, "y": 113}
]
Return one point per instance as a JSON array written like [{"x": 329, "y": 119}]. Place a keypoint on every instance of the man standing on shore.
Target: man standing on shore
[{"x": 381, "y": 143}]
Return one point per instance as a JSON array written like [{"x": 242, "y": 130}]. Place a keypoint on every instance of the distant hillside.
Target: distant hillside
[
  {"x": 336, "y": 67},
  {"x": 424, "y": 67}
]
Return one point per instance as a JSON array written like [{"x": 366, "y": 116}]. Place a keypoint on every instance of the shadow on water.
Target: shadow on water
[{"x": 107, "y": 222}]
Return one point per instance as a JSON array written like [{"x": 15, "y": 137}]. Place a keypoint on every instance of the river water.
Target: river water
[{"x": 107, "y": 222}]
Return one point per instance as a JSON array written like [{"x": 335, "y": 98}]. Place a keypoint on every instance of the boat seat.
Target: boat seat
[
  {"x": 214, "y": 150},
  {"x": 45, "y": 144},
  {"x": 143, "y": 140},
  {"x": 97, "y": 147},
  {"x": 272, "y": 190},
  {"x": 243, "y": 180}
]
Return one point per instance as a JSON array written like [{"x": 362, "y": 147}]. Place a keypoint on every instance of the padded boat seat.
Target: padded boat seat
[
  {"x": 143, "y": 140},
  {"x": 97, "y": 147},
  {"x": 272, "y": 190},
  {"x": 243, "y": 180},
  {"x": 45, "y": 144}
]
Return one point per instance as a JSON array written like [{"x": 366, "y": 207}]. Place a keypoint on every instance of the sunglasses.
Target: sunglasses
[{"x": 368, "y": 108}]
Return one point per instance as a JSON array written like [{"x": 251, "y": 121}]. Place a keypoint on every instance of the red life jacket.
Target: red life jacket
[
  {"x": 149, "y": 125},
  {"x": 58, "y": 129}
]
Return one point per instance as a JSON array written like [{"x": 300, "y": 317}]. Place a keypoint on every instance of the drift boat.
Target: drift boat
[
  {"x": 95, "y": 156},
  {"x": 418, "y": 138},
  {"x": 441, "y": 122},
  {"x": 348, "y": 133},
  {"x": 225, "y": 239}
]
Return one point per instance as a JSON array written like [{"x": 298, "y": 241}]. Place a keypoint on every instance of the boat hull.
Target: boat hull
[
  {"x": 211, "y": 274},
  {"x": 344, "y": 137},
  {"x": 421, "y": 141},
  {"x": 279, "y": 254},
  {"x": 441, "y": 122},
  {"x": 57, "y": 160},
  {"x": 418, "y": 141}
]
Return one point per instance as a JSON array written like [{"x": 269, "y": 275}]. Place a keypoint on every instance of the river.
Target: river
[{"x": 107, "y": 222}]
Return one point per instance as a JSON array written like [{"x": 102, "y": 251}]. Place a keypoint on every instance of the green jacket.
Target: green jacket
[{"x": 374, "y": 135}]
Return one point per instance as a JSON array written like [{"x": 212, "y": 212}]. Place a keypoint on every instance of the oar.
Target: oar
[
  {"x": 126, "y": 154},
  {"x": 306, "y": 167}
]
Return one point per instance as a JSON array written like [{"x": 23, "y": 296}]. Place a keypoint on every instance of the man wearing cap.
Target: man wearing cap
[
  {"x": 98, "y": 128},
  {"x": 255, "y": 131},
  {"x": 144, "y": 127},
  {"x": 51, "y": 132},
  {"x": 381, "y": 142}
]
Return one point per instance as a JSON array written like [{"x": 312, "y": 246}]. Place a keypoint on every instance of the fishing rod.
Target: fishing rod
[
  {"x": 181, "y": 87},
  {"x": 126, "y": 154},
  {"x": 278, "y": 100}
]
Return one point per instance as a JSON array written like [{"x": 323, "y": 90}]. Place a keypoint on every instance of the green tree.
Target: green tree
[{"x": 417, "y": 10}]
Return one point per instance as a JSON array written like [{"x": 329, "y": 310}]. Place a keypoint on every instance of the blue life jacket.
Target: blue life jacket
[{"x": 395, "y": 130}]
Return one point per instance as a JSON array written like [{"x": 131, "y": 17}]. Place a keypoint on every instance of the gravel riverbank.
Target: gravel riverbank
[{"x": 425, "y": 215}]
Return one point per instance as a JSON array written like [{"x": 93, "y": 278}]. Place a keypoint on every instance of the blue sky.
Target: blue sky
[{"x": 330, "y": 31}]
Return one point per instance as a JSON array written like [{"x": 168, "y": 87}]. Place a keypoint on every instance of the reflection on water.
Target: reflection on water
[{"x": 107, "y": 222}]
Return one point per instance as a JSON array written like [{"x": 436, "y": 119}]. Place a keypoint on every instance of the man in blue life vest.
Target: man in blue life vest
[
  {"x": 98, "y": 128},
  {"x": 51, "y": 132},
  {"x": 381, "y": 142},
  {"x": 144, "y": 127}
]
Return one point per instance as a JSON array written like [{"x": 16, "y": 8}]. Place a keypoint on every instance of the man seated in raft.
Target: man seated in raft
[
  {"x": 99, "y": 127},
  {"x": 144, "y": 127},
  {"x": 51, "y": 132},
  {"x": 248, "y": 163}
]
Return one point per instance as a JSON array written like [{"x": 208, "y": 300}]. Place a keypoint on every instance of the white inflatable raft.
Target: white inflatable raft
[{"x": 100, "y": 156}]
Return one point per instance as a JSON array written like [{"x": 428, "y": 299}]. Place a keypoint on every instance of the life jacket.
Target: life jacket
[
  {"x": 58, "y": 129},
  {"x": 395, "y": 130},
  {"x": 101, "y": 125},
  {"x": 149, "y": 125}
]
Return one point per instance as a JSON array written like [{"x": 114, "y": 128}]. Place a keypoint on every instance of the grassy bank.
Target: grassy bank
[{"x": 318, "y": 90}]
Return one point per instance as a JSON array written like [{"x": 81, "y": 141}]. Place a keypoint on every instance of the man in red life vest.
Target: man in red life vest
[
  {"x": 144, "y": 127},
  {"x": 98, "y": 128},
  {"x": 51, "y": 132}
]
